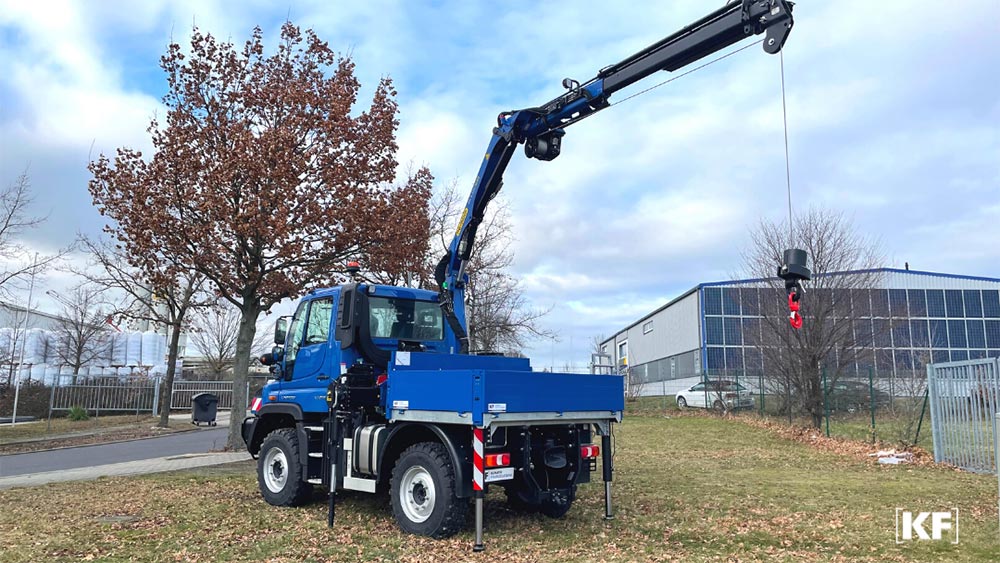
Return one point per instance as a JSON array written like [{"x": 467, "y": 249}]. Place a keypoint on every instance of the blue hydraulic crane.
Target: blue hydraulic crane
[{"x": 542, "y": 128}]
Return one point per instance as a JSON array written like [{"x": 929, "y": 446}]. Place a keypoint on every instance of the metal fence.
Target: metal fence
[
  {"x": 183, "y": 391},
  {"x": 105, "y": 394},
  {"x": 964, "y": 399}
]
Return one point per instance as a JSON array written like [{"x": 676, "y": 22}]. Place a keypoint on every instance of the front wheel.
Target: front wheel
[
  {"x": 279, "y": 472},
  {"x": 682, "y": 403},
  {"x": 424, "y": 492}
]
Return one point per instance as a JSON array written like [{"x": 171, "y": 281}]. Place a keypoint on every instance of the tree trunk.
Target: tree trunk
[
  {"x": 816, "y": 406},
  {"x": 167, "y": 385},
  {"x": 244, "y": 343}
]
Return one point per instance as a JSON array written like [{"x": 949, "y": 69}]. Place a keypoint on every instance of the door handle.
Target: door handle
[{"x": 323, "y": 377}]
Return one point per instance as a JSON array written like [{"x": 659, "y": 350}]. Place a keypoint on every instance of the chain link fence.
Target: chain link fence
[{"x": 861, "y": 405}]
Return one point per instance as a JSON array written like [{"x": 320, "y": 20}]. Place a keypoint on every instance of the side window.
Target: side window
[
  {"x": 318, "y": 327},
  {"x": 699, "y": 387},
  {"x": 295, "y": 332}
]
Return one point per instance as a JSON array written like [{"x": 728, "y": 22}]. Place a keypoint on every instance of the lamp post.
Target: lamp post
[{"x": 24, "y": 341}]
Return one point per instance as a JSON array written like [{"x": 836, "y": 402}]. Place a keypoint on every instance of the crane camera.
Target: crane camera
[{"x": 544, "y": 147}]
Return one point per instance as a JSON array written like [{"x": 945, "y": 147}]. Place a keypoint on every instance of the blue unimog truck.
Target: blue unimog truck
[{"x": 376, "y": 389}]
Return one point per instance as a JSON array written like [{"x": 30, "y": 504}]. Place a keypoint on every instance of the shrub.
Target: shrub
[
  {"x": 33, "y": 399},
  {"x": 78, "y": 413}
]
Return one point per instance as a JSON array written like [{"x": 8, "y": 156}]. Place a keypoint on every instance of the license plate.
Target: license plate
[{"x": 501, "y": 474}]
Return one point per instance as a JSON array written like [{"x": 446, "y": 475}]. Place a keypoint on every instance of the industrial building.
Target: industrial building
[{"x": 915, "y": 317}]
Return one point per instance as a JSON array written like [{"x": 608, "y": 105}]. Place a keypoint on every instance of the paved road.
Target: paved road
[{"x": 198, "y": 441}]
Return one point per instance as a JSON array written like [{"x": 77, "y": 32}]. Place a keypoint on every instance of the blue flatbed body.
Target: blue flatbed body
[{"x": 480, "y": 390}]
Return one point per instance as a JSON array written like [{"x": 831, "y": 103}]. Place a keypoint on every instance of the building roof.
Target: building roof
[
  {"x": 759, "y": 280},
  {"x": 869, "y": 271},
  {"x": 22, "y": 309}
]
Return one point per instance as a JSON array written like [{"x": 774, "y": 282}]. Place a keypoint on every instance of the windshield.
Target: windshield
[{"x": 405, "y": 318}]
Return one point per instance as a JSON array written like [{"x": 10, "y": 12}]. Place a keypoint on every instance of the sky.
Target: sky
[{"x": 893, "y": 118}]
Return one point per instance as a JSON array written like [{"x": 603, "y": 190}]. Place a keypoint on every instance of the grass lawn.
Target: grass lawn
[
  {"x": 688, "y": 488},
  {"x": 891, "y": 429},
  {"x": 39, "y": 429}
]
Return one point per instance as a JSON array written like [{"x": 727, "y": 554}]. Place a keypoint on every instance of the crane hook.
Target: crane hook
[
  {"x": 793, "y": 270},
  {"x": 794, "y": 318}
]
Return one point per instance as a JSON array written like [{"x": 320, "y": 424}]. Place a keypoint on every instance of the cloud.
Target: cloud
[{"x": 890, "y": 119}]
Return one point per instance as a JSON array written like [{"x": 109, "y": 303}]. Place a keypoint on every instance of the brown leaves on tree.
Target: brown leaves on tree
[{"x": 262, "y": 177}]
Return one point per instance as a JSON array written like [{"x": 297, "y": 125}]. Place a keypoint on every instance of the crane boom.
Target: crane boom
[{"x": 541, "y": 128}]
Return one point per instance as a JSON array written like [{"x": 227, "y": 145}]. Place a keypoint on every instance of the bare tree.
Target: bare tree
[
  {"x": 164, "y": 299},
  {"x": 81, "y": 330},
  {"x": 634, "y": 383},
  {"x": 15, "y": 219},
  {"x": 597, "y": 344},
  {"x": 499, "y": 317},
  {"x": 837, "y": 334},
  {"x": 214, "y": 331}
]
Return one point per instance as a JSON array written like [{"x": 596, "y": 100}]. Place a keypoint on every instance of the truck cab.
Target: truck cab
[{"x": 353, "y": 325}]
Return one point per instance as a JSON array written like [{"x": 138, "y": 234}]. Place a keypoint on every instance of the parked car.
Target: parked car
[
  {"x": 719, "y": 395},
  {"x": 855, "y": 396}
]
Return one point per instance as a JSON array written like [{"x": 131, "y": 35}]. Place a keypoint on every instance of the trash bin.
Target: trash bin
[{"x": 203, "y": 408}]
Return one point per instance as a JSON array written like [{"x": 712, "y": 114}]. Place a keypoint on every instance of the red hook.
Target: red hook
[{"x": 794, "y": 318}]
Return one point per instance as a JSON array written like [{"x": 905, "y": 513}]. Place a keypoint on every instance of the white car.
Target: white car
[{"x": 719, "y": 395}]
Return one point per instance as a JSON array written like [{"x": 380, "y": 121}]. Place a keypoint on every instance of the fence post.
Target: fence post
[
  {"x": 156, "y": 397},
  {"x": 826, "y": 404},
  {"x": 936, "y": 422},
  {"x": 920, "y": 422},
  {"x": 52, "y": 398},
  {"x": 871, "y": 400},
  {"x": 996, "y": 454},
  {"x": 760, "y": 391}
]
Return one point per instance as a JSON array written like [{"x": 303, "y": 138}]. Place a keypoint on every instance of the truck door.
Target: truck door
[{"x": 307, "y": 374}]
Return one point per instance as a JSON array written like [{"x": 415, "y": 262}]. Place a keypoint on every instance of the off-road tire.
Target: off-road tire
[
  {"x": 294, "y": 491},
  {"x": 447, "y": 515}
]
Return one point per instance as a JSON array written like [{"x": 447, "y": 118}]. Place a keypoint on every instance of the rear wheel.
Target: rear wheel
[
  {"x": 424, "y": 492},
  {"x": 719, "y": 406},
  {"x": 279, "y": 472},
  {"x": 516, "y": 501}
]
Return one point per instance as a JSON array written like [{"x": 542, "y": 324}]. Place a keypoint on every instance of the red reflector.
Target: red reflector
[
  {"x": 588, "y": 452},
  {"x": 382, "y": 379},
  {"x": 497, "y": 460}
]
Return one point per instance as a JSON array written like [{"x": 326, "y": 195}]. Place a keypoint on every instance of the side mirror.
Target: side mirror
[
  {"x": 280, "y": 330},
  {"x": 273, "y": 357}
]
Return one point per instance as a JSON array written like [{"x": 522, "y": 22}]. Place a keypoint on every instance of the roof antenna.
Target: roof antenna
[{"x": 793, "y": 268}]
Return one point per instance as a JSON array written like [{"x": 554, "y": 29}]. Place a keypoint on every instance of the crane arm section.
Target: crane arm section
[{"x": 541, "y": 128}]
